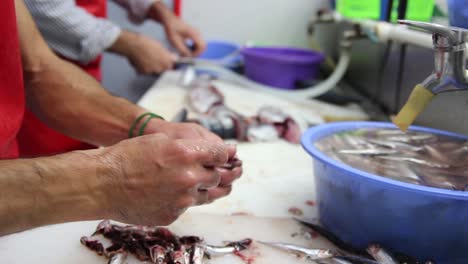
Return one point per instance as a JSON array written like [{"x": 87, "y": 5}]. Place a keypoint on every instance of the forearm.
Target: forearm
[
  {"x": 37, "y": 192},
  {"x": 125, "y": 44},
  {"x": 72, "y": 102},
  {"x": 159, "y": 12},
  {"x": 66, "y": 98}
]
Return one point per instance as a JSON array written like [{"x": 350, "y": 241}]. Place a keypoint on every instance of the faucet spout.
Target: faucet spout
[
  {"x": 449, "y": 57},
  {"x": 449, "y": 72}
]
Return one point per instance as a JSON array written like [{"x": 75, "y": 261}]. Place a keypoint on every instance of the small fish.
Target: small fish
[
  {"x": 214, "y": 251},
  {"x": 370, "y": 152},
  {"x": 118, "y": 258},
  {"x": 357, "y": 259},
  {"x": 271, "y": 114},
  {"x": 93, "y": 244},
  {"x": 229, "y": 248},
  {"x": 262, "y": 133},
  {"x": 187, "y": 258},
  {"x": 415, "y": 160},
  {"x": 436, "y": 154},
  {"x": 301, "y": 252},
  {"x": 379, "y": 254},
  {"x": 158, "y": 254},
  {"x": 356, "y": 142},
  {"x": 178, "y": 257},
  {"x": 202, "y": 98},
  {"x": 413, "y": 138},
  {"x": 437, "y": 182},
  {"x": 330, "y": 236},
  {"x": 395, "y": 145},
  {"x": 241, "y": 244},
  {"x": 197, "y": 254},
  {"x": 103, "y": 227},
  {"x": 407, "y": 172},
  {"x": 333, "y": 261}
]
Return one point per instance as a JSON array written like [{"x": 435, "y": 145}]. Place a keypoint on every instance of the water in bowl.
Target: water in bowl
[{"x": 413, "y": 157}]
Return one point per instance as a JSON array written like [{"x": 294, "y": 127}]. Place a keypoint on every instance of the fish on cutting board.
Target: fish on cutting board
[
  {"x": 155, "y": 244},
  {"x": 60, "y": 244}
]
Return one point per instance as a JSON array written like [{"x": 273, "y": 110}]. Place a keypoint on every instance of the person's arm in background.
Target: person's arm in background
[
  {"x": 77, "y": 35},
  {"x": 177, "y": 31},
  {"x": 72, "y": 102},
  {"x": 146, "y": 180}
]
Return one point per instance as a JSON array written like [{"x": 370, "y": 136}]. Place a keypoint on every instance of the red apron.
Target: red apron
[
  {"x": 37, "y": 139},
  {"x": 11, "y": 82}
]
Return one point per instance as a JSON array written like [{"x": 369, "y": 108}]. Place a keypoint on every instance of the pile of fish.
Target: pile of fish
[
  {"x": 270, "y": 123},
  {"x": 345, "y": 254},
  {"x": 412, "y": 157},
  {"x": 155, "y": 244}
]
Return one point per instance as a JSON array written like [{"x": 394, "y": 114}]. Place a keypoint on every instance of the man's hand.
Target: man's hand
[
  {"x": 145, "y": 180},
  {"x": 158, "y": 178},
  {"x": 195, "y": 132},
  {"x": 180, "y": 130},
  {"x": 147, "y": 55},
  {"x": 177, "y": 31}
]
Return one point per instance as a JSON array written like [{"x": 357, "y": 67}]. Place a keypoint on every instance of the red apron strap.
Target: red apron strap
[{"x": 11, "y": 82}]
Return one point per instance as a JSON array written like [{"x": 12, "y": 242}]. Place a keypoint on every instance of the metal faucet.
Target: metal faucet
[{"x": 449, "y": 57}]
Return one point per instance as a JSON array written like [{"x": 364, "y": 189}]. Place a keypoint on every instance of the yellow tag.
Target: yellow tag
[{"x": 419, "y": 99}]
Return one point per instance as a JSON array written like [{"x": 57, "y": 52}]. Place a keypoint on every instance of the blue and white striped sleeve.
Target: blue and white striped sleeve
[
  {"x": 71, "y": 31},
  {"x": 137, "y": 9}
]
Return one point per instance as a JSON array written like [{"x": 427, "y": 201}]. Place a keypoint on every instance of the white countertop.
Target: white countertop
[{"x": 277, "y": 176}]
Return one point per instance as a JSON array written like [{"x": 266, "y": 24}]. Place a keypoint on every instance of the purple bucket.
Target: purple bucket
[{"x": 281, "y": 67}]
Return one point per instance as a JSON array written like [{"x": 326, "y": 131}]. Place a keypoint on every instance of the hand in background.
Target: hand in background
[
  {"x": 148, "y": 56},
  {"x": 177, "y": 31}
]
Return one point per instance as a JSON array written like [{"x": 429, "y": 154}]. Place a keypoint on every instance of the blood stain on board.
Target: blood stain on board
[
  {"x": 248, "y": 256},
  {"x": 310, "y": 203},
  {"x": 296, "y": 211},
  {"x": 244, "y": 258},
  {"x": 240, "y": 213},
  {"x": 314, "y": 234}
]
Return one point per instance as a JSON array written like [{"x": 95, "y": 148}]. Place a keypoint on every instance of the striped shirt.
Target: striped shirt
[{"x": 74, "y": 33}]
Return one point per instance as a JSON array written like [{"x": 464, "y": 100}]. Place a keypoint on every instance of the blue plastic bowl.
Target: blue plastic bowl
[
  {"x": 361, "y": 208},
  {"x": 217, "y": 50}
]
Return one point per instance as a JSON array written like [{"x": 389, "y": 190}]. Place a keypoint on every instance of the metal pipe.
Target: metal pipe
[{"x": 384, "y": 31}]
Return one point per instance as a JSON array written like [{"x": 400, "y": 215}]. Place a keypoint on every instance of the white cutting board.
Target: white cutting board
[
  {"x": 60, "y": 244},
  {"x": 277, "y": 176}
]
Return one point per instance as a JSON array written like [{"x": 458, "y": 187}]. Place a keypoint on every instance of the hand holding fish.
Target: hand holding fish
[
  {"x": 158, "y": 178},
  {"x": 228, "y": 172}
]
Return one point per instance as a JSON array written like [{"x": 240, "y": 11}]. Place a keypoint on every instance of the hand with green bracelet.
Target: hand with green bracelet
[{"x": 150, "y": 123}]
